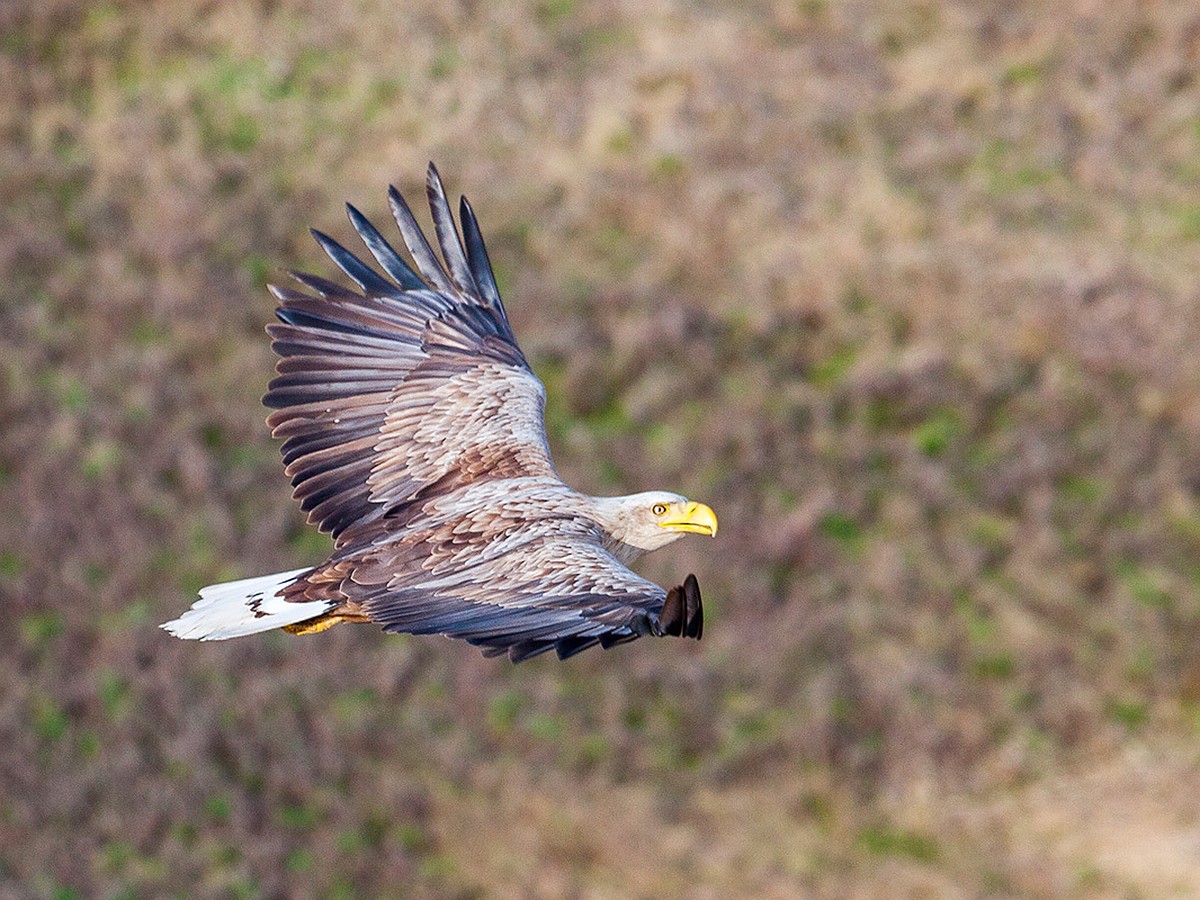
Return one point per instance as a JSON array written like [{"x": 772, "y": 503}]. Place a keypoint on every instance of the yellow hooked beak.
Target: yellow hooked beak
[{"x": 694, "y": 517}]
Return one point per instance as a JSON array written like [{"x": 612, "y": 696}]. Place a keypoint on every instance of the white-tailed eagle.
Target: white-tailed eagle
[{"x": 413, "y": 433}]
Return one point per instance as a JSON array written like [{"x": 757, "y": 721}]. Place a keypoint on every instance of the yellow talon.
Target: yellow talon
[{"x": 314, "y": 626}]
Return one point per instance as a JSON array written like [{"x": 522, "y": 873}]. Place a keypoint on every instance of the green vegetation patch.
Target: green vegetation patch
[
  {"x": 832, "y": 370},
  {"x": 934, "y": 436},
  {"x": 38, "y": 629},
  {"x": 887, "y": 840},
  {"x": 10, "y": 564}
]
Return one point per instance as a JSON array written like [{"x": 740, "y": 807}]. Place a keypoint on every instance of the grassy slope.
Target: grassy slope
[{"x": 908, "y": 296}]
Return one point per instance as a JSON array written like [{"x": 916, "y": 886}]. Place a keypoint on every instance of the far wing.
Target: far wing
[
  {"x": 412, "y": 386},
  {"x": 512, "y": 587}
]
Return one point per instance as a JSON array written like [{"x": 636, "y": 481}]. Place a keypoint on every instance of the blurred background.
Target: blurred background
[{"x": 906, "y": 291}]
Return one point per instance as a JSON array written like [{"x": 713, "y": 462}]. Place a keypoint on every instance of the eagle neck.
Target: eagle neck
[{"x": 611, "y": 514}]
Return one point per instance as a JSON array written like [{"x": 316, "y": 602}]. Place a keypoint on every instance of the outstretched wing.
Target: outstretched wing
[
  {"x": 503, "y": 580},
  {"x": 554, "y": 593},
  {"x": 411, "y": 386}
]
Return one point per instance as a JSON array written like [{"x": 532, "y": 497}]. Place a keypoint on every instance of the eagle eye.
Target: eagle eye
[{"x": 659, "y": 509}]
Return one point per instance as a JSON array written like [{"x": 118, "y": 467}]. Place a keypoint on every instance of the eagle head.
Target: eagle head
[{"x": 653, "y": 519}]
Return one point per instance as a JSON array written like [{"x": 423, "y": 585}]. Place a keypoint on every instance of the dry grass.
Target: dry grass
[{"x": 906, "y": 291}]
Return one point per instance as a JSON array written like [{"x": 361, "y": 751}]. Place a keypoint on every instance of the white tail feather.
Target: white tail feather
[{"x": 237, "y": 608}]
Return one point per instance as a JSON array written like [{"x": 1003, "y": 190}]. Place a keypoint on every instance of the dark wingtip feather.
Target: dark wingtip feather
[
  {"x": 477, "y": 256},
  {"x": 383, "y": 252},
  {"x": 447, "y": 233},
  {"x": 416, "y": 242},
  {"x": 670, "y": 620},
  {"x": 366, "y": 277},
  {"x": 683, "y": 612},
  {"x": 322, "y": 286},
  {"x": 693, "y": 608}
]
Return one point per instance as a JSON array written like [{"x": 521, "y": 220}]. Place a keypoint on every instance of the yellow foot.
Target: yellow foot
[{"x": 314, "y": 626}]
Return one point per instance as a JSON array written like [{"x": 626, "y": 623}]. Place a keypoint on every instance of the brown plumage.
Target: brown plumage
[{"x": 413, "y": 432}]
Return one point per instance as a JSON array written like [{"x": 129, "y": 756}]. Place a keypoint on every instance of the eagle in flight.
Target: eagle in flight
[{"x": 413, "y": 433}]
